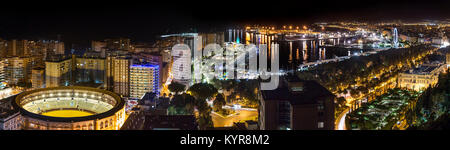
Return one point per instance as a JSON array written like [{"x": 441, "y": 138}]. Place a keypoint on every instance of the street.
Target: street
[{"x": 243, "y": 115}]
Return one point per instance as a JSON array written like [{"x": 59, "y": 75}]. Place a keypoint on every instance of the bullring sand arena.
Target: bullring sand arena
[{"x": 71, "y": 108}]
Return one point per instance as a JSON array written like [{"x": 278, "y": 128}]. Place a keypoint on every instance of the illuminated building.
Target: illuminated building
[
  {"x": 58, "y": 72},
  {"x": 52, "y": 47},
  {"x": 144, "y": 47},
  {"x": 118, "y": 74},
  {"x": 70, "y": 108},
  {"x": 154, "y": 59},
  {"x": 437, "y": 40},
  {"x": 2, "y": 74},
  {"x": 235, "y": 35},
  {"x": 3, "y": 45},
  {"x": 10, "y": 119},
  {"x": 166, "y": 56},
  {"x": 17, "y": 48},
  {"x": 212, "y": 38},
  {"x": 90, "y": 69},
  {"x": 166, "y": 65},
  {"x": 143, "y": 79},
  {"x": 38, "y": 78},
  {"x": 193, "y": 40},
  {"x": 181, "y": 67},
  {"x": 420, "y": 78},
  {"x": 18, "y": 70},
  {"x": 46, "y": 48},
  {"x": 118, "y": 44},
  {"x": 98, "y": 46},
  {"x": 182, "y": 55},
  {"x": 296, "y": 105}
]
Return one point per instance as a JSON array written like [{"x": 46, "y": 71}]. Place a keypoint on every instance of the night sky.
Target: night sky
[{"x": 81, "y": 21}]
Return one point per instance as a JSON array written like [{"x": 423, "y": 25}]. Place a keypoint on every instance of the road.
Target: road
[
  {"x": 243, "y": 115},
  {"x": 340, "y": 121}
]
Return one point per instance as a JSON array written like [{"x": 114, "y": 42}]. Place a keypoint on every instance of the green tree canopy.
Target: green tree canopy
[
  {"x": 202, "y": 91},
  {"x": 176, "y": 87},
  {"x": 219, "y": 102}
]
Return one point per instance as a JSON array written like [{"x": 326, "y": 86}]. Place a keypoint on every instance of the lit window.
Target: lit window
[{"x": 320, "y": 125}]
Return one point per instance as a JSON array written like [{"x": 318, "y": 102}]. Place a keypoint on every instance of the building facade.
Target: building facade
[
  {"x": 118, "y": 74},
  {"x": 10, "y": 119},
  {"x": 2, "y": 74},
  {"x": 90, "y": 69},
  {"x": 119, "y": 44},
  {"x": 58, "y": 72},
  {"x": 18, "y": 70},
  {"x": 143, "y": 79},
  {"x": 297, "y": 105},
  {"x": 420, "y": 78},
  {"x": 181, "y": 66},
  {"x": 38, "y": 78}
]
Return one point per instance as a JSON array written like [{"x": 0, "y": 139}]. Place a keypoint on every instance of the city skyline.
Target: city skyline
[{"x": 262, "y": 73}]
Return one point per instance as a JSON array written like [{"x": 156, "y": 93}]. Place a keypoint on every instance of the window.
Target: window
[
  {"x": 320, "y": 125},
  {"x": 320, "y": 114},
  {"x": 320, "y": 107}
]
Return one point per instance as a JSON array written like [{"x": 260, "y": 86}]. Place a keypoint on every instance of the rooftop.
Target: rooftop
[
  {"x": 144, "y": 66},
  {"x": 178, "y": 122},
  {"x": 424, "y": 69},
  {"x": 6, "y": 109},
  {"x": 296, "y": 91}
]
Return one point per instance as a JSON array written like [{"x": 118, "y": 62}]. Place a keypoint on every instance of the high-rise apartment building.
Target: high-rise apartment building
[
  {"x": 90, "y": 69},
  {"x": 18, "y": 70},
  {"x": 181, "y": 67},
  {"x": 118, "y": 44},
  {"x": 38, "y": 78},
  {"x": 143, "y": 79},
  {"x": 118, "y": 74},
  {"x": 3, "y": 46},
  {"x": 58, "y": 72},
  {"x": 2, "y": 74},
  {"x": 17, "y": 48}
]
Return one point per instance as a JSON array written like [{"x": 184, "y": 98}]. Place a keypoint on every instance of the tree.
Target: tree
[
  {"x": 247, "y": 89},
  {"x": 219, "y": 102},
  {"x": 341, "y": 102},
  {"x": 354, "y": 93},
  {"x": 189, "y": 103},
  {"x": 205, "y": 122},
  {"x": 202, "y": 91},
  {"x": 177, "y": 101},
  {"x": 182, "y": 105},
  {"x": 176, "y": 87},
  {"x": 204, "y": 114}
]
